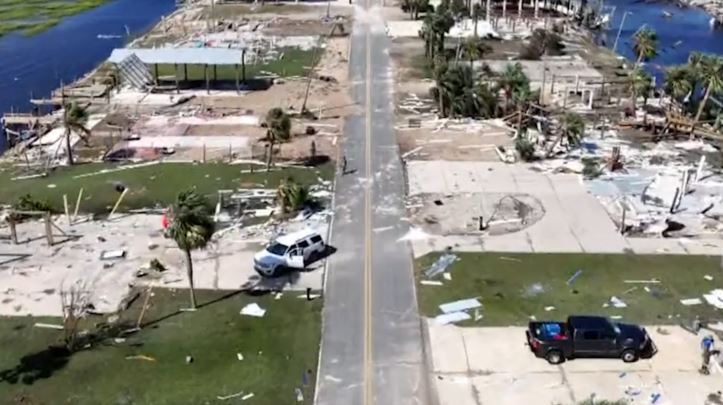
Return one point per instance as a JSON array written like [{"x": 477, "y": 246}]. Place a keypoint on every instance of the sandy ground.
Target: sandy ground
[
  {"x": 33, "y": 273},
  {"x": 442, "y": 140},
  {"x": 574, "y": 221},
  {"x": 482, "y": 365}
]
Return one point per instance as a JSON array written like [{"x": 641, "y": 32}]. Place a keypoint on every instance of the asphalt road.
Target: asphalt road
[{"x": 371, "y": 351}]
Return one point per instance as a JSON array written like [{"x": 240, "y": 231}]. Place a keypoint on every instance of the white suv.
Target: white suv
[{"x": 292, "y": 250}]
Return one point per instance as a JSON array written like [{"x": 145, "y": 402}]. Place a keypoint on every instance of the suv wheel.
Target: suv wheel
[
  {"x": 554, "y": 357},
  {"x": 629, "y": 356}
]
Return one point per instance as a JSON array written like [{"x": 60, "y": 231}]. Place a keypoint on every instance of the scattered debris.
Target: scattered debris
[
  {"x": 226, "y": 397},
  {"x": 714, "y": 298},
  {"x": 48, "y": 326},
  {"x": 691, "y": 301},
  {"x": 189, "y": 359},
  {"x": 477, "y": 315},
  {"x": 299, "y": 394},
  {"x": 447, "y": 276},
  {"x": 652, "y": 281},
  {"x": 533, "y": 290},
  {"x": 254, "y": 309},
  {"x": 431, "y": 282},
  {"x": 617, "y": 302},
  {"x": 239, "y": 356},
  {"x": 112, "y": 254},
  {"x": 461, "y": 305},
  {"x": 511, "y": 259},
  {"x": 574, "y": 277},
  {"x": 141, "y": 357},
  {"x": 441, "y": 264},
  {"x": 247, "y": 396},
  {"x": 549, "y": 308},
  {"x": 445, "y": 319},
  {"x": 708, "y": 277}
]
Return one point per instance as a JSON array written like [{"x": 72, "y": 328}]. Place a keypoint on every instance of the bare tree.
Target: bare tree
[{"x": 75, "y": 301}]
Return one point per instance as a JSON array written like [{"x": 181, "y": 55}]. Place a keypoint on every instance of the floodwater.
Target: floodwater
[
  {"x": 37, "y": 64},
  {"x": 689, "y": 28}
]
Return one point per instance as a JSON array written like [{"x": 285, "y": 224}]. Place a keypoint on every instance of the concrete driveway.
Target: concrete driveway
[{"x": 473, "y": 366}]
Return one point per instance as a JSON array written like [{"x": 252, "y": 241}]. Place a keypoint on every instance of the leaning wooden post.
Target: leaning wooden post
[
  {"x": 66, "y": 209},
  {"x": 237, "y": 78},
  {"x": 243, "y": 65},
  {"x": 117, "y": 203},
  {"x": 77, "y": 205},
  {"x": 48, "y": 228},
  {"x": 205, "y": 75},
  {"x": 13, "y": 230},
  {"x": 175, "y": 76}
]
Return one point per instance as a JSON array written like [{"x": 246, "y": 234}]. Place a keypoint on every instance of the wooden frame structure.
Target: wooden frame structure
[{"x": 47, "y": 218}]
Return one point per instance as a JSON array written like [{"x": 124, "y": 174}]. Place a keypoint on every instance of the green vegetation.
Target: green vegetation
[
  {"x": 148, "y": 186},
  {"x": 512, "y": 287},
  {"x": 35, "y": 16},
  {"x": 277, "y": 349},
  {"x": 295, "y": 62}
]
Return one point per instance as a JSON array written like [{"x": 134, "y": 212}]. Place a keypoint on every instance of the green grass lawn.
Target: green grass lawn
[
  {"x": 149, "y": 186},
  {"x": 35, "y": 16},
  {"x": 505, "y": 281},
  {"x": 295, "y": 62},
  {"x": 276, "y": 349}
]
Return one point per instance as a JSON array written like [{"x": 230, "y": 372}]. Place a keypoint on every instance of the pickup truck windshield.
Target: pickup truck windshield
[{"x": 277, "y": 249}]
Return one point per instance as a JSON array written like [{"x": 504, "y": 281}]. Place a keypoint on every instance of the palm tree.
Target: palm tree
[
  {"x": 440, "y": 69},
  {"x": 678, "y": 84},
  {"x": 278, "y": 129},
  {"x": 74, "y": 120},
  {"x": 512, "y": 80},
  {"x": 475, "y": 48},
  {"x": 191, "y": 228},
  {"x": 442, "y": 22},
  {"x": 478, "y": 13},
  {"x": 487, "y": 100},
  {"x": 574, "y": 128},
  {"x": 640, "y": 83},
  {"x": 710, "y": 72},
  {"x": 292, "y": 196},
  {"x": 428, "y": 35},
  {"x": 646, "y": 44}
]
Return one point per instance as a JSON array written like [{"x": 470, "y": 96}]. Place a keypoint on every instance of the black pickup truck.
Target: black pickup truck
[{"x": 588, "y": 336}]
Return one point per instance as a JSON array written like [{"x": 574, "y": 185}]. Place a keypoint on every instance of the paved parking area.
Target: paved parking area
[
  {"x": 574, "y": 220},
  {"x": 473, "y": 366}
]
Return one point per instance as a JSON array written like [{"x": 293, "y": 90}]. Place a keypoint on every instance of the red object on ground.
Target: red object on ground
[{"x": 164, "y": 221}]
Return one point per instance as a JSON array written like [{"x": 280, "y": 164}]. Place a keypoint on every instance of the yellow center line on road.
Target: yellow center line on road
[{"x": 368, "y": 398}]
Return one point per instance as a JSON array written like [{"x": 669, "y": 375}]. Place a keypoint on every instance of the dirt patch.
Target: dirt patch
[{"x": 484, "y": 213}]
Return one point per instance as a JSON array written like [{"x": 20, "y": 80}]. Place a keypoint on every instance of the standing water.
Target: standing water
[
  {"x": 683, "y": 31},
  {"x": 37, "y": 64}
]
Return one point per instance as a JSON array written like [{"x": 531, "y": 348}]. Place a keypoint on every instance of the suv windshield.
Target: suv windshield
[{"x": 277, "y": 249}]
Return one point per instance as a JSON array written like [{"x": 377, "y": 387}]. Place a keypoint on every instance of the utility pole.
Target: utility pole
[{"x": 617, "y": 37}]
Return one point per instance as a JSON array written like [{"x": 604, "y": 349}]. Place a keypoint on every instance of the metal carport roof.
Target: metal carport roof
[{"x": 188, "y": 56}]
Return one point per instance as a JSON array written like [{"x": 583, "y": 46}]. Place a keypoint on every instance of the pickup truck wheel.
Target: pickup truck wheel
[
  {"x": 554, "y": 357},
  {"x": 629, "y": 356}
]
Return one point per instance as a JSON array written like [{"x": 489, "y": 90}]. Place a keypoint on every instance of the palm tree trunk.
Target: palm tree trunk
[
  {"x": 189, "y": 271},
  {"x": 270, "y": 154},
  {"x": 475, "y": 26},
  {"x": 701, "y": 107},
  {"x": 68, "y": 150},
  {"x": 441, "y": 103}
]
